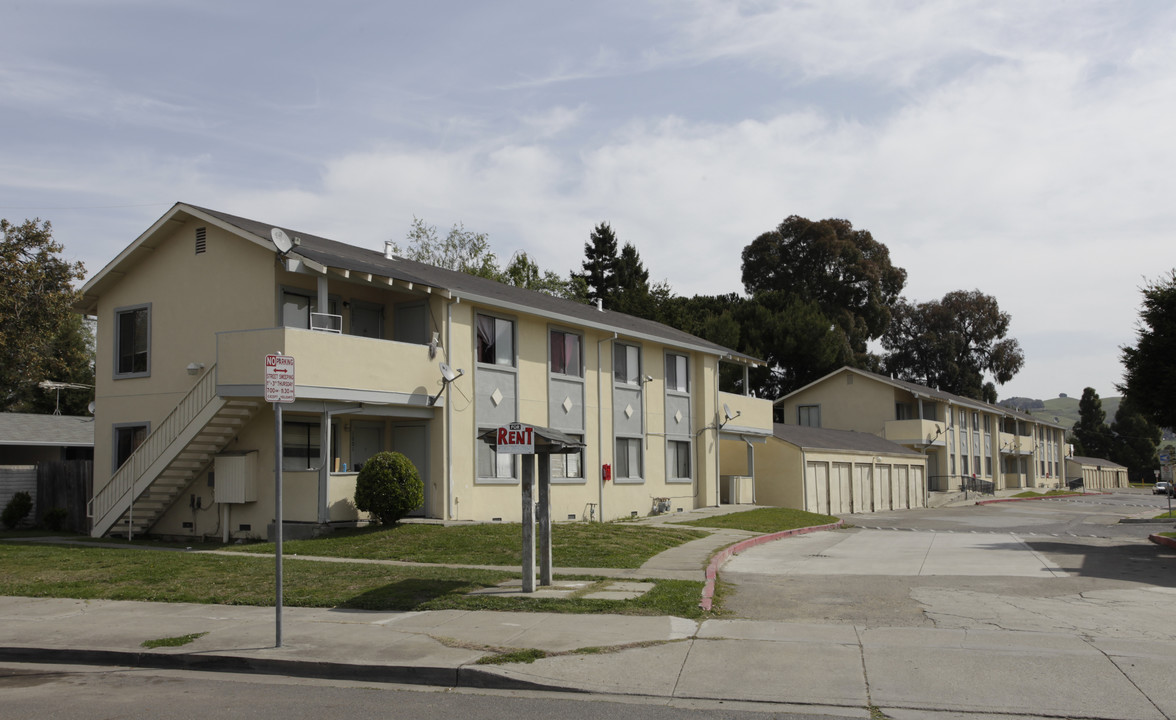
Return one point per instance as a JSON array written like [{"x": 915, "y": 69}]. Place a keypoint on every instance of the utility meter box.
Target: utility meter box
[{"x": 236, "y": 476}]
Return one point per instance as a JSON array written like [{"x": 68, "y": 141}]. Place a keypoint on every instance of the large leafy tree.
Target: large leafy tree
[
  {"x": 1134, "y": 442},
  {"x": 952, "y": 344},
  {"x": 41, "y": 337},
  {"x": 1090, "y": 435},
  {"x": 524, "y": 272},
  {"x": 819, "y": 292},
  {"x": 461, "y": 250},
  {"x": 1149, "y": 366}
]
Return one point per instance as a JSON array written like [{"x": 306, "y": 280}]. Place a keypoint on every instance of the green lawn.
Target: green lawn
[
  {"x": 1031, "y": 493},
  {"x": 604, "y": 545},
  {"x": 764, "y": 520},
  {"x": 32, "y": 570}
]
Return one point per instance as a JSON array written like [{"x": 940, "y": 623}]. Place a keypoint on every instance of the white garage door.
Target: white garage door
[{"x": 863, "y": 490}]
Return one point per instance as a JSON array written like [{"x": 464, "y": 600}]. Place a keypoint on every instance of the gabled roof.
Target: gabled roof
[
  {"x": 811, "y": 438},
  {"x": 323, "y": 253},
  {"x": 46, "y": 430},
  {"x": 922, "y": 391},
  {"x": 1097, "y": 462}
]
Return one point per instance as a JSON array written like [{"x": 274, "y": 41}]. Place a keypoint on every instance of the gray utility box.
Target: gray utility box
[{"x": 236, "y": 476}]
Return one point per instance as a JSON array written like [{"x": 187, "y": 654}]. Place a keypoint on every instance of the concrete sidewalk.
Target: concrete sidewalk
[{"x": 829, "y": 669}]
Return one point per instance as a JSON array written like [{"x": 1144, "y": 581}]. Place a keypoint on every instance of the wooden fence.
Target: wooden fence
[{"x": 65, "y": 484}]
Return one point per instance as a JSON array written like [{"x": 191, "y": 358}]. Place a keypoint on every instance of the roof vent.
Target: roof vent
[
  {"x": 600, "y": 304},
  {"x": 389, "y": 249},
  {"x": 201, "y": 240}
]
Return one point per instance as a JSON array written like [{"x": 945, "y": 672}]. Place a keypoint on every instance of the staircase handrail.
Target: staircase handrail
[{"x": 118, "y": 492}]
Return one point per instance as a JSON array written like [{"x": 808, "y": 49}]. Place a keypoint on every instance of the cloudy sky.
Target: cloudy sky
[{"x": 1025, "y": 149}]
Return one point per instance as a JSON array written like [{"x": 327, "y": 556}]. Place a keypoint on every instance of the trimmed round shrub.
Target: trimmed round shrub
[
  {"x": 17, "y": 509},
  {"x": 55, "y": 518},
  {"x": 389, "y": 487}
]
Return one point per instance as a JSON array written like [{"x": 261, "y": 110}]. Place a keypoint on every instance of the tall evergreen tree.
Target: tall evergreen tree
[
  {"x": 1090, "y": 435},
  {"x": 1134, "y": 443},
  {"x": 600, "y": 264},
  {"x": 1149, "y": 367}
]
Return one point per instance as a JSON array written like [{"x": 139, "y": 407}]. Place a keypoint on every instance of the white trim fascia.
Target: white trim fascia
[{"x": 402, "y": 400}]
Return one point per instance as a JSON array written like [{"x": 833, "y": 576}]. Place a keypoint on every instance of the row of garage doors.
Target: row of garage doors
[{"x": 835, "y": 488}]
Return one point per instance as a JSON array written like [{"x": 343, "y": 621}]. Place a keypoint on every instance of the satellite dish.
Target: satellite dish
[
  {"x": 281, "y": 240},
  {"x": 727, "y": 411},
  {"x": 447, "y": 372},
  {"x": 90, "y": 407}
]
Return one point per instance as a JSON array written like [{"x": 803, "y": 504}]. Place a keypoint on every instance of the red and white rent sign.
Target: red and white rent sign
[
  {"x": 279, "y": 378},
  {"x": 516, "y": 439}
]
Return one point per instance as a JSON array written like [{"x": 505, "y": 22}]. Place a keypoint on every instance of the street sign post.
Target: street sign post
[{"x": 279, "y": 389}]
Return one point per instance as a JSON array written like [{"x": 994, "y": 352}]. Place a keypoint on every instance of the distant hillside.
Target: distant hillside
[{"x": 1064, "y": 410}]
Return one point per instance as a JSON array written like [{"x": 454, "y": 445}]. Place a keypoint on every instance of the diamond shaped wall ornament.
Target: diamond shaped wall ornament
[
  {"x": 628, "y": 411},
  {"x": 496, "y": 396},
  {"x": 678, "y": 417},
  {"x": 567, "y": 405}
]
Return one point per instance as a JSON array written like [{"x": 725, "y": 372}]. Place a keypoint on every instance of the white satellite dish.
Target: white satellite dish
[
  {"x": 447, "y": 372},
  {"x": 447, "y": 376},
  {"x": 90, "y": 407},
  {"x": 281, "y": 240},
  {"x": 727, "y": 411}
]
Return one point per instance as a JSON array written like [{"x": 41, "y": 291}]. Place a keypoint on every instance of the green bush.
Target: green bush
[
  {"x": 55, "y": 518},
  {"x": 389, "y": 487},
  {"x": 17, "y": 509}
]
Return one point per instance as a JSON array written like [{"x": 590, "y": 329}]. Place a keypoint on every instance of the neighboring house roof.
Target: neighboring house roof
[
  {"x": 326, "y": 253},
  {"x": 46, "y": 430},
  {"x": 1097, "y": 462},
  {"x": 811, "y": 438},
  {"x": 928, "y": 392}
]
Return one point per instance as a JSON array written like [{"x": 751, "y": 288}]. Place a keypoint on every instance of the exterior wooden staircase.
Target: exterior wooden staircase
[{"x": 169, "y": 459}]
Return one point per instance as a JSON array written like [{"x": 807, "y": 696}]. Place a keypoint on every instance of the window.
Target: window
[
  {"x": 495, "y": 341},
  {"x": 300, "y": 445},
  {"x": 988, "y": 465},
  {"x": 126, "y": 439},
  {"x": 964, "y": 464},
  {"x": 678, "y": 460},
  {"x": 963, "y": 419},
  {"x": 132, "y": 346},
  {"x": 809, "y": 415},
  {"x": 627, "y": 364},
  {"x": 568, "y": 467},
  {"x": 902, "y": 411},
  {"x": 492, "y": 464},
  {"x": 987, "y": 423},
  {"x": 628, "y": 458},
  {"x": 296, "y": 308},
  {"x": 565, "y": 354},
  {"x": 676, "y": 378}
]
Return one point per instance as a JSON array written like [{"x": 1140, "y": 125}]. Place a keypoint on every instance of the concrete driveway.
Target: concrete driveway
[{"x": 1044, "y": 566}]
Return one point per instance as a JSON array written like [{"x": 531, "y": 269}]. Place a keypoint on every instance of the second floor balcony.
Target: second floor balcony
[{"x": 915, "y": 433}]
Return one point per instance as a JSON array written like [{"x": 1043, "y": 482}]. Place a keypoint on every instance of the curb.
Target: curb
[
  {"x": 466, "y": 677},
  {"x": 1040, "y": 497},
  {"x": 1161, "y": 540},
  {"x": 712, "y": 570}
]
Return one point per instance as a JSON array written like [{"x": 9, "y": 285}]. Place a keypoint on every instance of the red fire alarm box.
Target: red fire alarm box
[{"x": 607, "y": 469}]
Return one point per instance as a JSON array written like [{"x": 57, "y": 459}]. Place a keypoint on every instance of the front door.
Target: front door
[
  {"x": 412, "y": 442},
  {"x": 367, "y": 439}
]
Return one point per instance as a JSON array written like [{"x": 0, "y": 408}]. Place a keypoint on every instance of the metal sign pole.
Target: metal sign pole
[{"x": 278, "y": 523}]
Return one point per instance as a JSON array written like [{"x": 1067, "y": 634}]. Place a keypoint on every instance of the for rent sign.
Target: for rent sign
[{"x": 516, "y": 439}]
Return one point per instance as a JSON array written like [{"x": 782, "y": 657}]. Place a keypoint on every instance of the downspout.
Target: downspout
[
  {"x": 718, "y": 437},
  {"x": 600, "y": 424},
  {"x": 449, "y": 412}
]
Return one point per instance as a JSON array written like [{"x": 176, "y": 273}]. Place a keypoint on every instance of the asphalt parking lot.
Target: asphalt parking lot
[{"x": 1063, "y": 566}]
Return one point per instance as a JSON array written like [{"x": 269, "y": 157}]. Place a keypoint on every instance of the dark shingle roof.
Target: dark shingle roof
[
  {"x": 332, "y": 253},
  {"x": 55, "y": 430},
  {"x": 811, "y": 438}
]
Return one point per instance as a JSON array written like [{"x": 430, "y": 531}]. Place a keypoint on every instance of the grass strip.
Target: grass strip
[
  {"x": 83, "y": 572},
  {"x": 179, "y": 641},
  {"x": 604, "y": 545},
  {"x": 764, "y": 520}
]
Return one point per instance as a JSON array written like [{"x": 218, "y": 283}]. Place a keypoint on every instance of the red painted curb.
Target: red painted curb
[
  {"x": 1161, "y": 540},
  {"x": 712, "y": 570}
]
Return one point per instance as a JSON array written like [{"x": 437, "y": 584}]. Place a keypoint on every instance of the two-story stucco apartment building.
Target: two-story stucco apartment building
[
  {"x": 185, "y": 443},
  {"x": 962, "y": 439}
]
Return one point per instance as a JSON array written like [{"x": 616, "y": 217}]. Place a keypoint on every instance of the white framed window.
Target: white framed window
[
  {"x": 677, "y": 375},
  {"x": 678, "y": 461},
  {"x": 566, "y": 355},
  {"x": 568, "y": 468},
  {"x": 496, "y": 341},
  {"x": 808, "y": 415},
  {"x": 494, "y": 465},
  {"x": 132, "y": 341},
  {"x": 628, "y": 459},
  {"x": 626, "y": 364}
]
